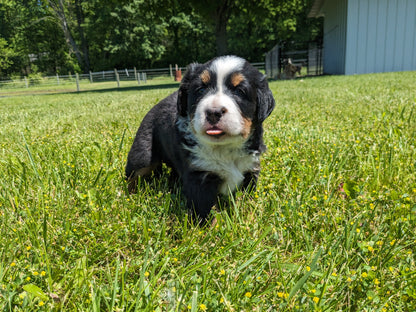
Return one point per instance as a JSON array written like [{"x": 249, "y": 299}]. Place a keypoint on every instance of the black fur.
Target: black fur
[{"x": 164, "y": 136}]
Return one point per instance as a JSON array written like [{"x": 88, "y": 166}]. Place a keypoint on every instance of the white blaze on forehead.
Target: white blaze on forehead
[{"x": 224, "y": 66}]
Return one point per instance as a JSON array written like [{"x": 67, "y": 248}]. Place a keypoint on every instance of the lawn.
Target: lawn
[{"x": 331, "y": 226}]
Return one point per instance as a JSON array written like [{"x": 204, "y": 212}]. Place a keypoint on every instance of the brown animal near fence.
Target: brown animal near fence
[{"x": 291, "y": 69}]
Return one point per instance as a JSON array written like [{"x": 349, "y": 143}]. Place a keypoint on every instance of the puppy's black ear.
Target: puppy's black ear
[
  {"x": 184, "y": 88},
  {"x": 265, "y": 100}
]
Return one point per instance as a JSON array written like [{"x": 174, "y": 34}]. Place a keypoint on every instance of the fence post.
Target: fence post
[
  {"x": 117, "y": 78},
  {"x": 26, "y": 83},
  {"x": 77, "y": 80},
  {"x": 144, "y": 77},
  {"x": 91, "y": 77},
  {"x": 57, "y": 78},
  {"x": 170, "y": 71},
  {"x": 138, "y": 78},
  {"x": 135, "y": 73}
]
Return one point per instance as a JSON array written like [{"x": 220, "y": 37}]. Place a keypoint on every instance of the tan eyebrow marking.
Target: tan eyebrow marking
[
  {"x": 236, "y": 79},
  {"x": 205, "y": 76}
]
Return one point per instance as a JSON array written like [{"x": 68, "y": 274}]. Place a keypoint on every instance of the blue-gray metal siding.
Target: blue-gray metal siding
[
  {"x": 381, "y": 36},
  {"x": 335, "y": 28}
]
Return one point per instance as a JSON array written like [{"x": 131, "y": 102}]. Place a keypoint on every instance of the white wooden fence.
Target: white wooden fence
[{"x": 117, "y": 76}]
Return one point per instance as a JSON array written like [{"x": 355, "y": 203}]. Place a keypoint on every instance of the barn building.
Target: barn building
[{"x": 367, "y": 36}]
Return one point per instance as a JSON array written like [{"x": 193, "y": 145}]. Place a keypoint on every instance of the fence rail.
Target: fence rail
[
  {"x": 116, "y": 75},
  {"x": 78, "y": 80}
]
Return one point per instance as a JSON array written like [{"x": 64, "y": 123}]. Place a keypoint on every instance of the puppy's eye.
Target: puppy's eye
[
  {"x": 200, "y": 91},
  {"x": 239, "y": 92}
]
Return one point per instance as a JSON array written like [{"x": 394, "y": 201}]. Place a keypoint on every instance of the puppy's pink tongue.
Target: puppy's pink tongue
[{"x": 214, "y": 131}]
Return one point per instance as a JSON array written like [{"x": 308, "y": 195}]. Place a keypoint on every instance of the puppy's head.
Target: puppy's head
[{"x": 224, "y": 99}]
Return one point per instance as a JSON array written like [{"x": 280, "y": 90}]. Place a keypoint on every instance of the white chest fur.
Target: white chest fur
[{"x": 227, "y": 162}]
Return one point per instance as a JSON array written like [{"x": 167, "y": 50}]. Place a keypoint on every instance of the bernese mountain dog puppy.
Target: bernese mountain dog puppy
[{"x": 209, "y": 132}]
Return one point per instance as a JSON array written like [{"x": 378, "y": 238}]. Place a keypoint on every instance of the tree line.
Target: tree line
[{"x": 61, "y": 36}]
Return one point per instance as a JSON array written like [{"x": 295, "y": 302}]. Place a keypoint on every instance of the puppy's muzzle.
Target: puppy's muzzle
[{"x": 213, "y": 115}]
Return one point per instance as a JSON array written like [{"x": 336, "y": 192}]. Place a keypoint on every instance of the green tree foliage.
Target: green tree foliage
[
  {"x": 78, "y": 35},
  {"x": 6, "y": 55},
  {"x": 189, "y": 38},
  {"x": 36, "y": 41},
  {"x": 136, "y": 35},
  {"x": 12, "y": 39},
  {"x": 217, "y": 13},
  {"x": 256, "y": 27}
]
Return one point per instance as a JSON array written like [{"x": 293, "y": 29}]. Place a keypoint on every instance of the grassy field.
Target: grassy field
[{"x": 330, "y": 228}]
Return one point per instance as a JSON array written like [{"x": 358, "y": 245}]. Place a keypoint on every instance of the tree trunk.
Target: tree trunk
[
  {"x": 221, "y": 38},
  {"x": 221, "y": 17},
  {"x": 58, "y": 9},
  {"x": 84, "y": 43}
]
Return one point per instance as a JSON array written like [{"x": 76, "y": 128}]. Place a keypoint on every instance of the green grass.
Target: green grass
[{"x": 331, "y": 226}]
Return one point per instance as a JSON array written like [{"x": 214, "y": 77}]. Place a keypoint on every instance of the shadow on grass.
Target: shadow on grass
[
  {"x": 134, "y": 88},
  {"x": 103, "y": 90}
]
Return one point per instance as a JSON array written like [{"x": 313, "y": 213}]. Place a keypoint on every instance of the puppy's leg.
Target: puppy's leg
[
  {"x": 139, "y": 160},
  {"x": 132, "y": 180},
  {"x": 200, "y": 190}
]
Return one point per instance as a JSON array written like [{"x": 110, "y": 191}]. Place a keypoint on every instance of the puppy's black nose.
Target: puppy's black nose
[{"x": 214, "y": 115}]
